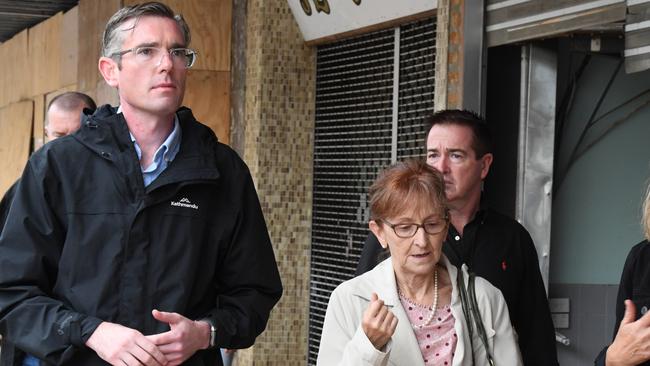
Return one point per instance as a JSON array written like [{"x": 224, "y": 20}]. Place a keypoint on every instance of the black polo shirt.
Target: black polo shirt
[{"x": 500, "y": 250}]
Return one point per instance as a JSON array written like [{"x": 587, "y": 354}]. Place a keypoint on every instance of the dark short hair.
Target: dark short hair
[
  {"x": 406, "y": 184},
  {"x": 482, "y": 137},
  {"x": 72, "y": 100},
  {"x": 112, "y": 40}
]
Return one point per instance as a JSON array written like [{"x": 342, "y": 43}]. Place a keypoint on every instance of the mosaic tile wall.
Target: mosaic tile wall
[
  {"x": 455, "y": 54},
  {"x": 278, "y": 148}
]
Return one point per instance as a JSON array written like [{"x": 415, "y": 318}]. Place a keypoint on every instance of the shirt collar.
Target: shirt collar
[{"x": 169, "y": 147}]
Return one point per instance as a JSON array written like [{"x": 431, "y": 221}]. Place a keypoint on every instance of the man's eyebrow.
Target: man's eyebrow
[
  {"x": 148, "y": 44},
  {"x": 448, "y": 150}
]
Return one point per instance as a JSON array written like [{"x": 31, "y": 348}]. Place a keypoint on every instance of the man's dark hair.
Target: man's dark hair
[
  {"x": 113, "y": 36},
  {"x": 482, "y": 137}
]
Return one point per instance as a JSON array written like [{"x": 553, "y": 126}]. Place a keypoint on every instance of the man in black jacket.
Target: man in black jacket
[
  {"x": 493, "y": 246},
  {"x": 138, "y": 240},
  {"x": 63, "y": 117}
]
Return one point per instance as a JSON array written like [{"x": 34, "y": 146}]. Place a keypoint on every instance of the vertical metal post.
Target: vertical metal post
[
  {"x": 536, "y": 147},
  {"x": 474, "y": 56}
]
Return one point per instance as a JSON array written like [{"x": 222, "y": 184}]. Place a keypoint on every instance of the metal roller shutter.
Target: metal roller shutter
[{"x": 372, "y": 95}]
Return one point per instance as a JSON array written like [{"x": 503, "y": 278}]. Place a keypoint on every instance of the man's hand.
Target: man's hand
[
  {"x": 183, "y": 340},
  {"x": 119, "y": 345},
  {"x": 632, "y": 343},
  {"x": 378, "y": 322}
]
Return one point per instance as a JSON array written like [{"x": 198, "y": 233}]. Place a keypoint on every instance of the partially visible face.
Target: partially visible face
[
  {"x": 62, "y": 122},
  {"x": 157, "y": 88},
  {"x": 418, "y": 255},
  {"x": 449, "y": 150}
]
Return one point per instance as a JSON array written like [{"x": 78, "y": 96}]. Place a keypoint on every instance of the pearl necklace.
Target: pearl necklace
[{"x": 435, "y": 302}]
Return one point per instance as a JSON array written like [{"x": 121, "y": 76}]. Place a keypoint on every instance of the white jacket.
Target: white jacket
[{"x": 343, "y": 341}]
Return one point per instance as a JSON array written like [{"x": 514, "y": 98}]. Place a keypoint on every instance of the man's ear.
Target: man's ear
[
  {"x": 486, "y": 162},
  {"x": 379, "y": 233},
  {"x": 109, "y": 70}
]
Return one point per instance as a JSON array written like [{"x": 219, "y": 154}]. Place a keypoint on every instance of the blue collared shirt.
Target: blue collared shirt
[{"x": 163, "y": 156}]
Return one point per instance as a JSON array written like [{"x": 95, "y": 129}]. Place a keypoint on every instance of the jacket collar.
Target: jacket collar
[
  {"x": 381, "y": 280},
  {"x": 107, "y": 135}
]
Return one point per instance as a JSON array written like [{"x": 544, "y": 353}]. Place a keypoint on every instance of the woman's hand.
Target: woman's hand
[
  {"x": 632, "y": 343},
  {"x": 378, "y": 322}
]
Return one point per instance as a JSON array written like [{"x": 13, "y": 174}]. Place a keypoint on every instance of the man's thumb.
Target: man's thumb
[{"x": 630, "y": 312}]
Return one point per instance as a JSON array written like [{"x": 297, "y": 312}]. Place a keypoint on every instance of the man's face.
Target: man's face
[
  {"x": 62, "y": 122},
  {"x": 449, "y": 150},
  {"x": 155, "y": 88}
]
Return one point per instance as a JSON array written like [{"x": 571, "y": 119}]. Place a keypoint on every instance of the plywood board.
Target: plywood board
[
  {"x": 69, "y": 46},
  {"x": 16, "y": 127},
  {"x": 38, "y": 133},
  {"x": 45, "y": 54},
  {"x": 4, "y": 76},
  {"x": 210, "y": 23},
  {"x": 16, "y": 83},
  {"x": 106, "y": 94},
  {"x": 93, "y": 15},
  {"x": 207, "y": 93}
]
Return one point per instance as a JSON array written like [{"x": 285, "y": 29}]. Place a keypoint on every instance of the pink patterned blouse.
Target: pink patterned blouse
[{"x": 438, "y": 339}]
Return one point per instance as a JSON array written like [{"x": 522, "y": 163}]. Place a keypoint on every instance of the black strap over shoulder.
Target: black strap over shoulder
[{"x": 472, "y": 313}]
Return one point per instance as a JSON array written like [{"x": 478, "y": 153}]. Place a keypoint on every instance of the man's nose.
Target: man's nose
[
  {"x": 166, "y": 60},
  {"x": 442, "y": 164}
]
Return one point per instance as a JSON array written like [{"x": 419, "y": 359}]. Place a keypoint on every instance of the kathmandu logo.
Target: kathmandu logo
[{"x": 184, "y": 202}]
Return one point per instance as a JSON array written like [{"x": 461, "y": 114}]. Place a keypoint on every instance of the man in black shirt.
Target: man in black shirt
[{"x": 493, "y": 246}]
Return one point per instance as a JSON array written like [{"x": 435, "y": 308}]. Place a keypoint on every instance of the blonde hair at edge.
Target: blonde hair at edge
[{"x": 645, "y": 222}]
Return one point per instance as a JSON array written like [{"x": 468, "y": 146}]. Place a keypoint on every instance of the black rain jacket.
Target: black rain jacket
[{"x": 86, "y": 242}]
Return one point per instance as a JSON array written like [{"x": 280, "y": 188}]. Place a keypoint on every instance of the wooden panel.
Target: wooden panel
[
  {"x": 208, "y": 95},
  {"x": 45, "y": 53},
  {"x": 16, "y": 127},
  {"x": 93, "y": 15},
  {"x": 38, "y": 133},
  {"x": 16, "y": 84},
  {"x": 4, "y": 54},
  {"x": 105, "y": 94},
  {"x": 210, "y": 22},
  {"x": 69, "y": 47}
]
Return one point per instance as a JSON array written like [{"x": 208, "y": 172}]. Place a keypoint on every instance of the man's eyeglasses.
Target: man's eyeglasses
[
  {"x": 147, "y": 55},
  {"x": 406, "y": 231}
]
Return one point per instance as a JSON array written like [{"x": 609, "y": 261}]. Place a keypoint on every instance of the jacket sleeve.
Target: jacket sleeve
[
  {"x": 505, "y": 346},
  {"x": 370, "y": 255},
  {"x": 343, "y": 341},
  {"x": 30, "y": 247},
  {"x": 624, "y": 292},
  {"x": 248, "y": 281},
  {"x": 533, "y": 321}
]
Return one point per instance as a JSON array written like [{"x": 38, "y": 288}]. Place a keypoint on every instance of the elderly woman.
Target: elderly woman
[
  {"x": 631, "y": 345},
  {"x": 407, "y": 311}
]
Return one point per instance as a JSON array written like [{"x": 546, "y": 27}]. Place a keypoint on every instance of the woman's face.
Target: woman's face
[{"x": 418, "y": 254}]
